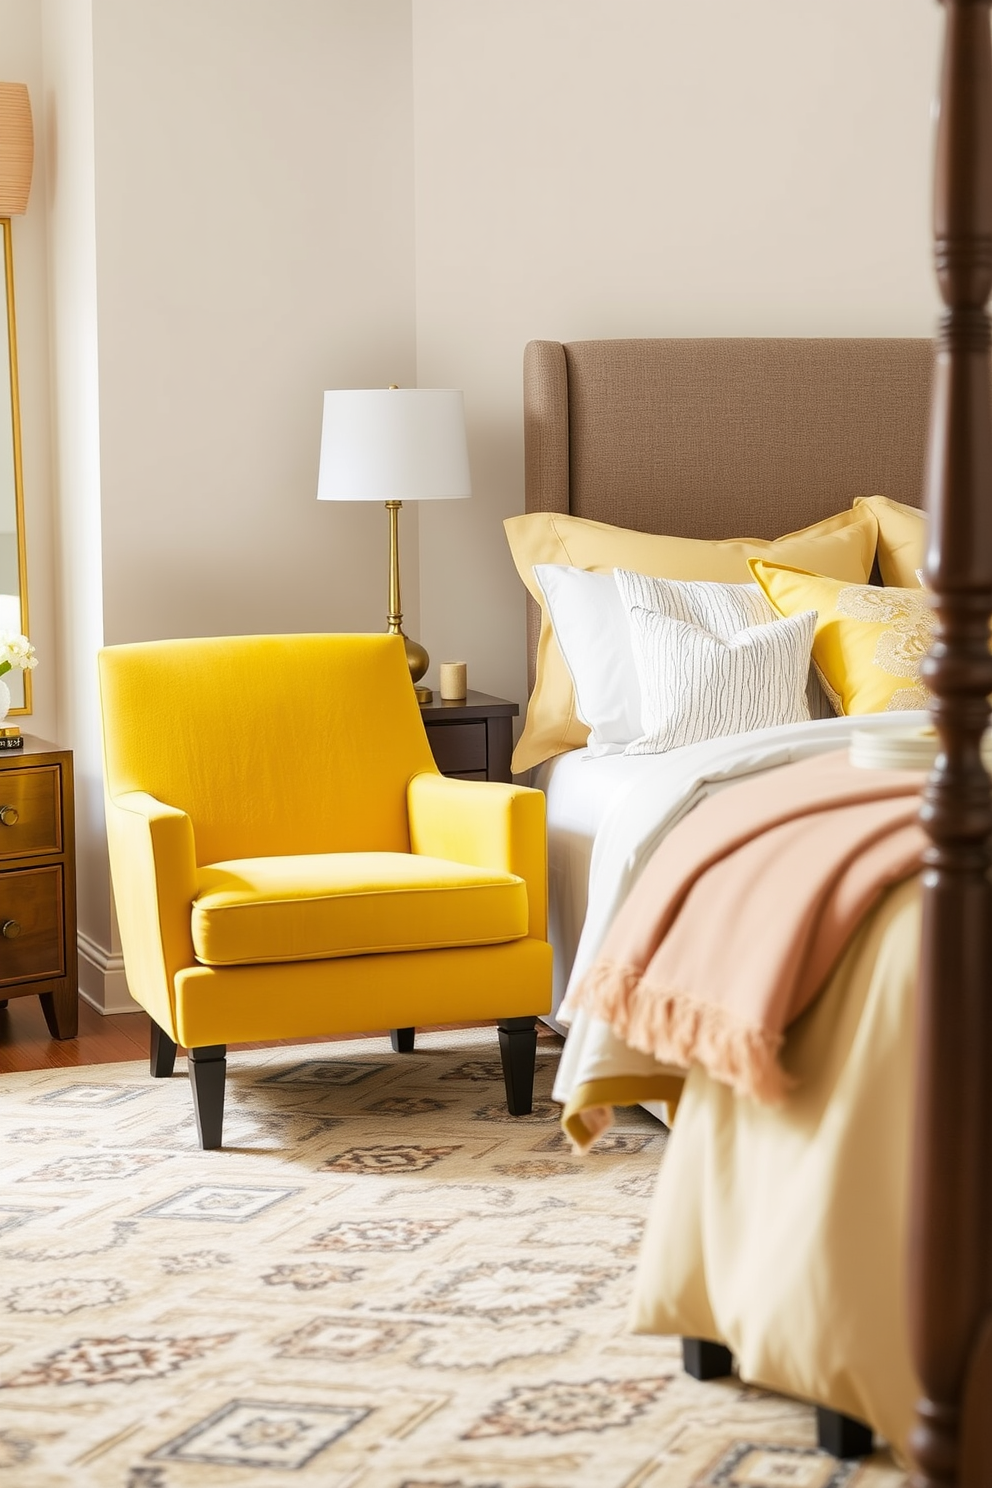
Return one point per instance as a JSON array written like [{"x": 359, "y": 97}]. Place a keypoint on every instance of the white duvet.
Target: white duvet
[{"x": 647, "y": 806}]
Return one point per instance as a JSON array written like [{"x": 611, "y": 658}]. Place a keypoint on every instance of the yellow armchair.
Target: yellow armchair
[{"x": 287, "y": 861}]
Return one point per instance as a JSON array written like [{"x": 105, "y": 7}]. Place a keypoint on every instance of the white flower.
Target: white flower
[{"x": 16, "y": 651}]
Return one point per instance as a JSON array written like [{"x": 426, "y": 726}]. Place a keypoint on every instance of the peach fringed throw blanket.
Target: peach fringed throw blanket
[{"x": 743, "y": 911}]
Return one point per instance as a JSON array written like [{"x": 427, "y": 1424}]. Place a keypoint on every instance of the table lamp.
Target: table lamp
[{"x": 394, "y": 445}]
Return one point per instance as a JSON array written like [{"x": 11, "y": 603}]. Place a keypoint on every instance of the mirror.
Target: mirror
[{"x": 13, "y": 563}]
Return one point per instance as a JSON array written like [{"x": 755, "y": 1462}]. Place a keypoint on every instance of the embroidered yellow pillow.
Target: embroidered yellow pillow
[
  {"x": 843, "y": 545},
  {"x": 868, "y": 642},
  {"x": 902, "y": 539}
]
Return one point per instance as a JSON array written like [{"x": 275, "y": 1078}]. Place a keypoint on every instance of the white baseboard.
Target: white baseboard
[{"x": 102, "y": 982}]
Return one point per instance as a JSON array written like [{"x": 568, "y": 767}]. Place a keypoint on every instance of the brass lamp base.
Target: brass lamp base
[
  {"x": 416, "y": 657},
  {"x": 417, "y": 660}
]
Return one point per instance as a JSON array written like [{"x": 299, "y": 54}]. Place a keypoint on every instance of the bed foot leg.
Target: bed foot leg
[
  {"x": 402, "y": 1040},
  {"x": 706, "y": 1360},
  {"x": 842, "y": 1436}
]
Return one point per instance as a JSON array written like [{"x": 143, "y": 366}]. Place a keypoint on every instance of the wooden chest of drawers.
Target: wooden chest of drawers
[{"x": 38, "y": 882}]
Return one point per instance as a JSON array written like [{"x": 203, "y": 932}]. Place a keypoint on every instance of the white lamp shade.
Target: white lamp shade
[{"x": 393, "y": 444}]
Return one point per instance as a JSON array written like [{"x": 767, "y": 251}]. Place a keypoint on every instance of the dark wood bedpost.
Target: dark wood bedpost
[{"x": 951, "y": 1229}]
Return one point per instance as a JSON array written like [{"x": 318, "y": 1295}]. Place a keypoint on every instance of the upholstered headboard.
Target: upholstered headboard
[{"x": 721, "y": 438}]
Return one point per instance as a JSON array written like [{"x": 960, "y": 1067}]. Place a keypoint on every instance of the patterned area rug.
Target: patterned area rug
[{"x": 383, "y": 1281}]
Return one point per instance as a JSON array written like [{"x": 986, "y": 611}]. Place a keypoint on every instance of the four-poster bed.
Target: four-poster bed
[
  {"x": 951, "y": 1207},
  {"x": 696, "y": 439}
]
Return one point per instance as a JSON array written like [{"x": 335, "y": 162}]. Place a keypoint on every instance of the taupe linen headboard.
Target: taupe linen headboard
[{"x": 721, "y": 438}]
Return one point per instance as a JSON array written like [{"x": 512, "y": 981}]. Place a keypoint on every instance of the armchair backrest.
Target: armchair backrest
[{"x": 271, "y": 744}]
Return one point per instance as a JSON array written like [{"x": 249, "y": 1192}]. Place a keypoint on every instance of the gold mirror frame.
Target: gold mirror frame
[{"x": 17, "y": 681}]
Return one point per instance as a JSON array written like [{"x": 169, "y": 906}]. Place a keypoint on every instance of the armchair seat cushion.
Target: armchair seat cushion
[{"x": 314, "y": 905}]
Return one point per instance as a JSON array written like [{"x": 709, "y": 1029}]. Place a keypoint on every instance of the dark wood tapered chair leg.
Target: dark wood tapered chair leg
[
  {"x": 207, "y": 1071},
  {"x": 842, "y": 1436},
  {"x": 402, "y": 1040},
  {"x": 61, "y": 1010},
  {"x": 163, "y": 1053},
  {"x": 706, "y": 1360},
  {"x": 518, "y": 1053}
]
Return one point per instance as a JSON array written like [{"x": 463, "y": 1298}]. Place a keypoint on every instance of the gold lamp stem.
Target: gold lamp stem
[
  {"x": 416, "y": 657},
  {"x": 395, "y": 626}
]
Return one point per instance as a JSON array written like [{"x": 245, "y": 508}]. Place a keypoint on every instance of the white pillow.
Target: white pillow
[
  {"x": 590, "y": 624},
  {"x": 722, "y": 609},
  {"x": 695, "y": 685}
]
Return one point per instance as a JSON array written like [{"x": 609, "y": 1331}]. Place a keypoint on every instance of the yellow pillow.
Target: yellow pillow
[
  {"x": 869, "y": 641},
  {"x": 843, "y": 545},
  {"x": 902, "y": 539}
]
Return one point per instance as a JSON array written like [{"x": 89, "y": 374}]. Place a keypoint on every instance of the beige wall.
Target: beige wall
[
  {"x": 254, "y": 246},
  {"x": 647, "y": 167},
  {"x": 67, "y": 148}
]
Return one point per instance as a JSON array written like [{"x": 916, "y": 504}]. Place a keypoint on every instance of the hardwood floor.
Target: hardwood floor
[{"x": 26, "y": 1044}]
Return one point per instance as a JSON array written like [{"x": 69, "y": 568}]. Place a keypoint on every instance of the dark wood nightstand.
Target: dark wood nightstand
[
  {"x": 471, "y": 739},
  {"x": 38, "y": 882}
]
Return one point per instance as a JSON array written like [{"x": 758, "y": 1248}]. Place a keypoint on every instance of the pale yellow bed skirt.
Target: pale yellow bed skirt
[
  {"x": 781, "y": 1230},
  {"x": 590, "y": 1109}
]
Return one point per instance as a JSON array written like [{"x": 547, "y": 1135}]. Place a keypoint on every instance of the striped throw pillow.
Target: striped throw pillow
[
  {"x": 696, "y": 685},
  {"x": 722, "y": 609}
]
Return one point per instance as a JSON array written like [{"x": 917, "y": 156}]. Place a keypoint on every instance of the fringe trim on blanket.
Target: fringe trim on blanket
[{"x": 676, "y": 1029}]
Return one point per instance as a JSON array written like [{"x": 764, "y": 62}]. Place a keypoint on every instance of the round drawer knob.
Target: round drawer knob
[
  {"x": 11, "y": 929},
  {"x": 8, "y": 815}
]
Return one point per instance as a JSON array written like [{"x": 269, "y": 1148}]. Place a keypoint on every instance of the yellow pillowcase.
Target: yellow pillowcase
[
  {"x": 843, "y": 546},
  {"x": 902, "y": 539},
  {"x": 869, "y": 641}
]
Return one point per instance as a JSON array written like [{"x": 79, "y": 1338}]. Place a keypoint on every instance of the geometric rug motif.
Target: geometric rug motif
[{"x": 381, "y": 1281}]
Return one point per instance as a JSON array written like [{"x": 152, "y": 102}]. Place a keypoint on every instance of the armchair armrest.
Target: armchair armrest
[
  {"x": 489, "y": 825},
  {"x": 153, "y": 867}
]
